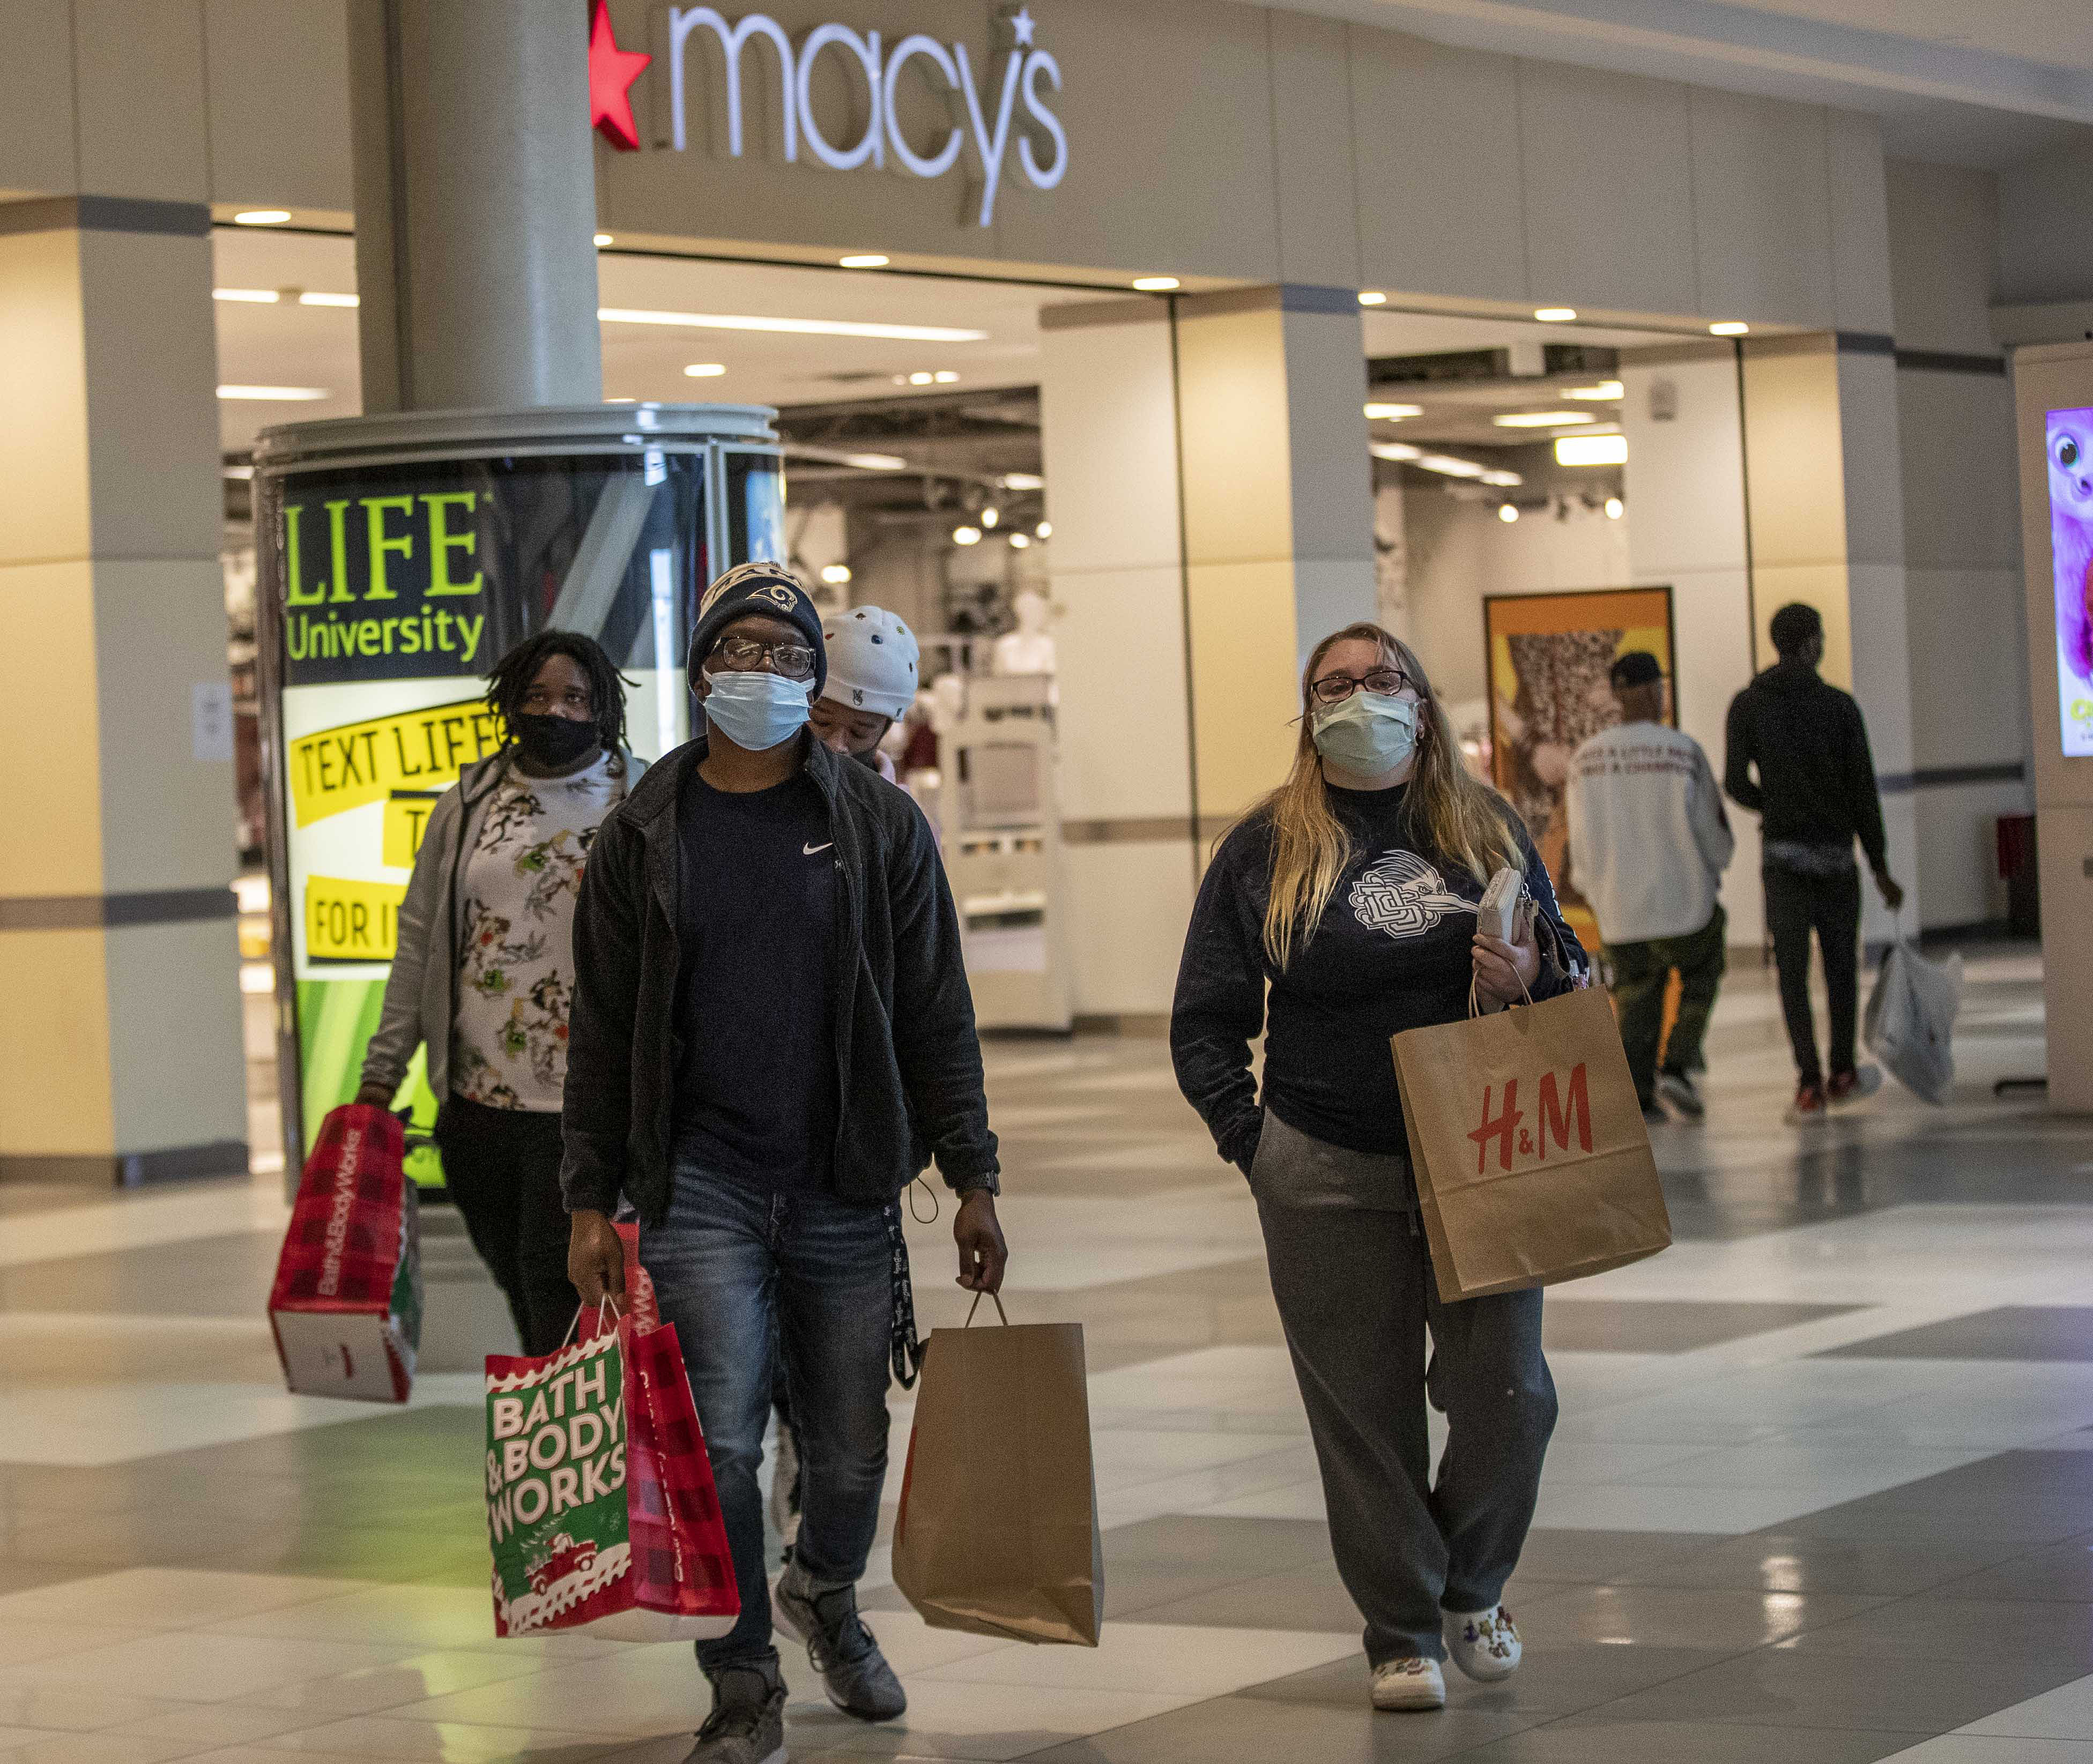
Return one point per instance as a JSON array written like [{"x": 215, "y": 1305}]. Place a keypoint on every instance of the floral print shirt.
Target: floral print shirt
[{"x": 516, "y": 916}]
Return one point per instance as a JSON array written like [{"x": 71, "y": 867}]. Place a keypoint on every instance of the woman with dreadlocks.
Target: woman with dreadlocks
[{"x": 484, "y": 970}]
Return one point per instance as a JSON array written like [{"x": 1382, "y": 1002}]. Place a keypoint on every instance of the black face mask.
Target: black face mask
[{"x": 554, "y": 741}]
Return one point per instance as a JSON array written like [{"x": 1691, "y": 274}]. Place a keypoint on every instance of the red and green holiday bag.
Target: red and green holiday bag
[
  {"x": 346, "y": 1303},
  {"x": 599, "y": 1499}
]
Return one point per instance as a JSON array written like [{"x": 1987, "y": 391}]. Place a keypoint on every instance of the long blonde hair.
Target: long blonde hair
[{"x": 1460, "y": 816}]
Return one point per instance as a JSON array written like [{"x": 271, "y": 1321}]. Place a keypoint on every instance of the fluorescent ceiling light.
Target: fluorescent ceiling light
[
  {"x": 311, "y": 299},
  {"x": 1603, "y": 392},
  {"x": 262, "y": 217},
  {"x": 945, "y": 377},
  {"x": 243, "y": 473},
  {"x": 796, "y": 327},
  {"x": 1373, "y": 298},
  {"x": 1591, "y": 450},
  {"x": 920, "y": 379},
  {"x": 1023, "y": 481},
  {"x": 1555, "y": 315},
  {"x": 835, "y": 575},
  {"x": 602, "y": 240},
  {"x": 863, "y": 260},
  {"x": 1394, "y": 450},
  {"x": 1730, "y": 327},
  {"x": 705, "y": 370},
  {"x": 1379, "y": 412},
  {"x": 1155, "y": 284},
  {"x": 1450, "y": 467},
  {"x": 278, "y": 395},
  {"x": 1542, "y": 419},
  {"x": 876, "y": 462},
  {"x": 247, "y": 296},
  {"x": 1503, "y": 480}
]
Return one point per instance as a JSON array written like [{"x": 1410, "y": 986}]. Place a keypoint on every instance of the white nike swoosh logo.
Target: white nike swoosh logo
[{"x": 809, "y": 850}]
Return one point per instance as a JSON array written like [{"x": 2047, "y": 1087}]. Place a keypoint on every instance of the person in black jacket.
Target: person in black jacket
[
  {"x": 772, "y": 1034},
  {"x": 1815, "y": 793},
  {"x": 1339, "y": 911}
]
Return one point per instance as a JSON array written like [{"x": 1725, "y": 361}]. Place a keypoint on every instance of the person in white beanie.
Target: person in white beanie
[{"x": 872, "y": 659}]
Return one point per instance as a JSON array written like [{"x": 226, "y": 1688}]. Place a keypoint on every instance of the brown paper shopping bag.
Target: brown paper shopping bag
[
  {"x": 997, "y": 1530},
  {"x": 1532, "y": 1162}
]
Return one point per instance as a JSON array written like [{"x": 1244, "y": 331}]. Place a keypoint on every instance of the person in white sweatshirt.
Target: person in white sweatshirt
[{"x": 1648, "y": 842}]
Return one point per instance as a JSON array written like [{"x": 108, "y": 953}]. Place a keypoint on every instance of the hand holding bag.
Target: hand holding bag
[{"x": 1910, "y": 1021}]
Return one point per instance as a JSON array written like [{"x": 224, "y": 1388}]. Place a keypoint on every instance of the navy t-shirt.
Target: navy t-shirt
[{"x": 755, "y": 1085}]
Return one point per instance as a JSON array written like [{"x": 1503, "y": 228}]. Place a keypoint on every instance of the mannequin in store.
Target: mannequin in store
[{"x": 1028, "y": 650}]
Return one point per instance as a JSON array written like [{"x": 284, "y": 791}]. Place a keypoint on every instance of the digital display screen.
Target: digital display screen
[{"x": 2068, "y": 445}]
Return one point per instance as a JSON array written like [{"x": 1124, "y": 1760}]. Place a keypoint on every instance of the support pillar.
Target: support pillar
[{"x": 121, "y": 1043}]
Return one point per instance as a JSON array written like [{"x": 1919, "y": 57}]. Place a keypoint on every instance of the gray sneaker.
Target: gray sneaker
[
  {"x": 747, "y": 1725},
  {"x": 839, "y": 1647},
  {"x": 1678, "y": 1089}
]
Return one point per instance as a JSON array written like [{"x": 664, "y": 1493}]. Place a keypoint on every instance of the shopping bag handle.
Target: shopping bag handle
[
  {"x": 608, "y": 1304},
  {"x": 1474, "y": 999},
  {"x": 994, "y": 1299}
]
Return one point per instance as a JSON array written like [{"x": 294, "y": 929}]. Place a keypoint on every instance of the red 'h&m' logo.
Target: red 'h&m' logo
[{"x": 1562, "y": 1111}]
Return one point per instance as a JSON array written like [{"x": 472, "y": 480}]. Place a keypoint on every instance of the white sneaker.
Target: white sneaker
[
  {"x": 1682, "y": 1094},
  {"x": 1410, "y": 1684},
  {"x": 1484, "y": 1643}
]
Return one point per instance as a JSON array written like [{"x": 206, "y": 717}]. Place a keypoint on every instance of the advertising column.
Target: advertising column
[{"x": 400, "y": 558}]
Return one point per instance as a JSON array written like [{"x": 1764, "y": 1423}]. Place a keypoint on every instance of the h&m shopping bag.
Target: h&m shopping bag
[
  {"x": 346, "y": 1303},
  {"x": 1533, "y": 1165},
  {"x": 997, "y": 1530},
  {"x": 600, "y": 1506},
  {"x": 1910, "y": 1021}
]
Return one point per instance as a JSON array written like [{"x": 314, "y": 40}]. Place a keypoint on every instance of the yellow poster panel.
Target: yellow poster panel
[
  {"x": 336, "y": 769},
  {"x": 351, "y": 921},
  {"x": 406, "y": 820}
]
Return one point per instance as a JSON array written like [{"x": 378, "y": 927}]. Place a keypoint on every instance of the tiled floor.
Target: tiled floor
[{"x": 1822, "y": 1490}]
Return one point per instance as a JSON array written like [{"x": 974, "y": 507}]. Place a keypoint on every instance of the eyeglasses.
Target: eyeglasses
[
  {"x": 1334, "y": 688},
  {"x": 748, "y": 656}
]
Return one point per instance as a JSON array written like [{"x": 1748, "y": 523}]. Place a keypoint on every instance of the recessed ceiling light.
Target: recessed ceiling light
[
  {"x": 1379, "y": 412},
  {"x": 621, "y": 401},
  {"x": 1542, "y": 419},
  {"x": 990, "y": 517},
  {"x": 1044, "y": 530},
  {"x": 835, "y": 575},
  {"x": 602, "y": 240},
  {"x": 1020, "y": 541},
  {"x": 945, "y": 377},
  {"x": 1507, "y": 512},
  {"x": 863, "y": 260},
  {"x": 1614, "y": 508},
  {"x": 247, "y": 296},
  {"x": 921, "y": 379},
  {"x": 1591, "y": 450},
  {"x": 1605, "y": 391},
  {"x": 1372, "y": 297},
  {"x": 276, "y": 395},
  {"x": 1155, "y": 284},
  {"x": 705, "y": 370},
  {"x": 1730, "y": 327},
  {"x": 262, "y": 217},
  {"x": 1023, "y": 481},
  {"x": 1555, "y": 315},
  {"x": 1400, "y": 451},
  {"x": 310, "y": 299},
  {"x": 966, "y": 535},
  {"x": 796, "y": 327}
]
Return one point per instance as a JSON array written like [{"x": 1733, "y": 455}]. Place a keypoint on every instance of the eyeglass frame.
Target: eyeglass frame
[
  {"x": 772, "y": 661},
  {"x": 1354, "y": 682}
]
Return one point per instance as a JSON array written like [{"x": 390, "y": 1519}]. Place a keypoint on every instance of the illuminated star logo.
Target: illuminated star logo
[
  {"x": 1023, "y": 25},
  {"x": 612, "y": 70}
]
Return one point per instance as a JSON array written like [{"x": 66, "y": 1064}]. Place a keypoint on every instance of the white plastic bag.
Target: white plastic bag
[{"x": 1910, "y": 1021}]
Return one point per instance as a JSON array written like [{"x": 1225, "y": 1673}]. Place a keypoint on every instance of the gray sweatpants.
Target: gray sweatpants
[{"x": 1353, "y": 1277}]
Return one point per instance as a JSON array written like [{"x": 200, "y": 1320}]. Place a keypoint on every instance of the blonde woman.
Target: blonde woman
[{"x": 1350, "y": 892}]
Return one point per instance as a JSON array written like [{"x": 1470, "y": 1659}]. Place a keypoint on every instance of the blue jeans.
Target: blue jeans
[{"x": 732, "y": 1263}]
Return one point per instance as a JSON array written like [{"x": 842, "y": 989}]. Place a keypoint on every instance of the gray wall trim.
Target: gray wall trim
[
  {"x": 1949, "y": 777},
  {"x": 1865, "y": 343},
  {"x": 1943, "y": 361},
  {"x": 93, "y": 912},
  {"x": 1135, "y": 309},
  {"x": 107, "y": 214},
  {"x": 1144, "y": 830},
  {"x": 130, "y": 1169}
]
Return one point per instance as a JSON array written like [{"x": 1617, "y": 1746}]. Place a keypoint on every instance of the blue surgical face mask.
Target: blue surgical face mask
[
  {"x": 1367, "y": 733},
  {"x": 756, "y": 711}
]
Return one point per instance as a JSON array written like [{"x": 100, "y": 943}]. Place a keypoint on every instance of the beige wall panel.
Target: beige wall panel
[
  {"x": 37, "y": 134},
  {"x": 1761, "y": 210},
  {"x": 1119, "y": 638},
  {"x": 1821, "y": 586},
  {"x": 1882, "y": 660},
  {"x": 1132, "y": 901},
  {"x": 54, "y": 842},
  {"x": 167, "y": 815},
  {"x": 1969, "y": 666},
  {"x": 1685, "y": 476},
  {"x": 1109, "y": 444},
  {"x": 2066, "y": 857},
  {"x": 1246, "y": 686},
  {"x": 1608, "y": 169},
  {"x": 1329, "y": 594},
  {"x": 1958, "y": 869},
  {"x": 1441, "y": 207},
  {"x": 175, "y": 1036},
  {"x": 1861, "y": 269},
  {"x": 1943, "y": 223},
  {"x": 152, "y": 375},
  {"x": 56, "y": 1055},
  {"x": 1871, "y": 457},
  {"x": 1232, "y": 406},
  {"x": 1878, "y": 924},
  {"x": 278, "y": 81},
  {"x": 1312, "y": 100},
  {"x": 43, "y": 391},
  {"x": 1792, "y": 439},
  {"x": 1326, "y": 386},
  {"x": 1962, "y": 496},
  {"x": 143, "y": 127}
]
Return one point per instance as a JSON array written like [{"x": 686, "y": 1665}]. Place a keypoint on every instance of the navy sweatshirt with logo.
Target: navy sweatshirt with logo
[{"x": 1392, "y": 951}]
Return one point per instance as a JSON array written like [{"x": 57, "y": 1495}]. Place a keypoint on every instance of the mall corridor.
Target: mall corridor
[{"x": 1822, "y": 1490}]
